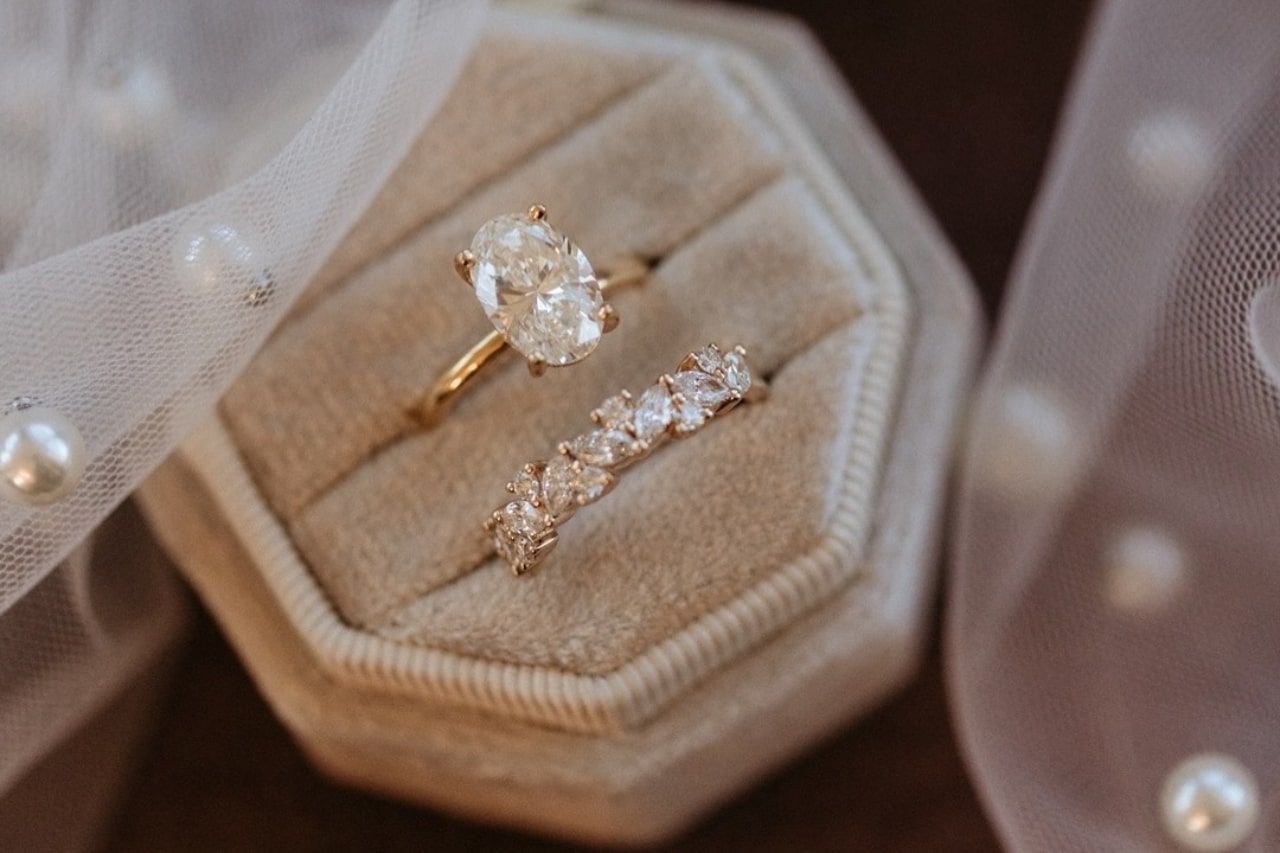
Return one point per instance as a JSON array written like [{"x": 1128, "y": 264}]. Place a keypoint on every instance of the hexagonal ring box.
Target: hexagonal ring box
[{"x": 737, "y": 596}]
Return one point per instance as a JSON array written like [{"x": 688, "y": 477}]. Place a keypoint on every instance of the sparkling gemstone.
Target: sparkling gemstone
[
  {"x": 653, "y": 414},
  {"x": 689, "y": 416},
  {"x": 737, "y": 374},
  {"x": 701, "y": 388},
  {"x": 520, "y": 531},
  {"x": 730, "y": 367},
  {"x": 538, "y": 289},
  {"x": 603, "y": 447},
  {"x": 526, "y": 486},
  {"x": 709, "y": 359},
  {"x": 615, "y": 413},
  {"x": 567, "y": 485}
]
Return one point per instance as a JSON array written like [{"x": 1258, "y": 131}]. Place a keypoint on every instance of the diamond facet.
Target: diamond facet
[
  {"x": 653, "y": 413},
  {"x": 525, "y": 486},
  {"x": 522, "y": 530},
  {"x": 737, "y": 375},
  {"x": 615, "y": 413},
  {"x": 603, "y": 447},
  {"x": 538, "y": 289},
  {"x": 567, "y": 484},
  {"x": 701, "y": 388},
  {"x": 689, "y": 416},
  {"x": 708, "y": 359}
]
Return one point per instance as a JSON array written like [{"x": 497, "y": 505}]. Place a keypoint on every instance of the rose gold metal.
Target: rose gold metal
[{"x": 463, "y": 262}]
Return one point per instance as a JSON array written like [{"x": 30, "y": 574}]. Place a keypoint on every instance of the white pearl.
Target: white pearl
[
  {"x": 1264, "y": 330},
  {"x": 129, "y": 101},
  {"x": 42, "y": 456},
  {"x": 1209, "y": 803},
  {"x": 1146, "y": 568},
  {"x": 1171, "y": 152},
  {"x": 1029, "y": 449},
  {"x": 215, "y": 257}
]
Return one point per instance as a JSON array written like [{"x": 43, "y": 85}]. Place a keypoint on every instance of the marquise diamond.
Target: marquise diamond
[
  {"x": 737, "y": 375},
  {"x": 701, "y": 388},
  {"x": 653, "y": 413},
  {"x": 603, "y": 447},
  {"x": 538, "y": 289}
]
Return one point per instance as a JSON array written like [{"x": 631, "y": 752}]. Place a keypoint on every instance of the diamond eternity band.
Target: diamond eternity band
[{"x": 547, "y": 493}]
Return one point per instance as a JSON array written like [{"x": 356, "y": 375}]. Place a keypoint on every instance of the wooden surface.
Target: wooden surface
[{"x": 967, "y": 95}]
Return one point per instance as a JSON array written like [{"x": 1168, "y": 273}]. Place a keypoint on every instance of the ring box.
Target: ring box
[{"x": 741, "y": 594}]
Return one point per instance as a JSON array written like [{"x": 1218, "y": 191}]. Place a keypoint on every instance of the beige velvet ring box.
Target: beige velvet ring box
[{"x": 740, "y": 594}]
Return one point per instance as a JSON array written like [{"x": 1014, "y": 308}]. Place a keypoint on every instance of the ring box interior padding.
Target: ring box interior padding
[{"x": 737, "y": 596}]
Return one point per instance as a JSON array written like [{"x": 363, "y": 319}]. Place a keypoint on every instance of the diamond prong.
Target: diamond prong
[
  {"x": 564, "y": 449},
  {"x": 537, "y": 366},
  {"x": 626, "y": 395},
  {"x": 537, "y": 213},
  {"x": 666, "y": 380},
  {"x": 740, "y": 350},
  {"x": 609, "y": 318},
  {"x": 597, "y": 418},
  {"x": 535, "y": 559},
  {"x": 463, "y": 262},
  {"x": 511, "y": 487}
]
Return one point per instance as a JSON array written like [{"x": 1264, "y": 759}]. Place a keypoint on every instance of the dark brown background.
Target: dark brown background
[{"x": 966, "y": 94}]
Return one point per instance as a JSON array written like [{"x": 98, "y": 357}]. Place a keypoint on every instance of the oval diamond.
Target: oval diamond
[{"x": 538, "y": 289}]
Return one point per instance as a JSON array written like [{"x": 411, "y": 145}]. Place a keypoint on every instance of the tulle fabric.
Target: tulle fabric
[
  {"x": 1114, "y": 587},
  {"x": 173, "y": 173}
]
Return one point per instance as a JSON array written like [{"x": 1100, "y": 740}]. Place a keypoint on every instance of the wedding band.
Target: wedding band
[
  {"x": 547, "y": 493},
  {"x": 541, "y": 294}
]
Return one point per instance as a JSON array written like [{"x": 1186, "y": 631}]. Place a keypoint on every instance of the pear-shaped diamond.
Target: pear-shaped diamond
[
  {"x": 568, "y": 484},
  {"x": 538, "y": 289},
  {"x": 522, "y": 534},
  {"x": 615, "y": 413},
  {"x": 526, "y": 485}
]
